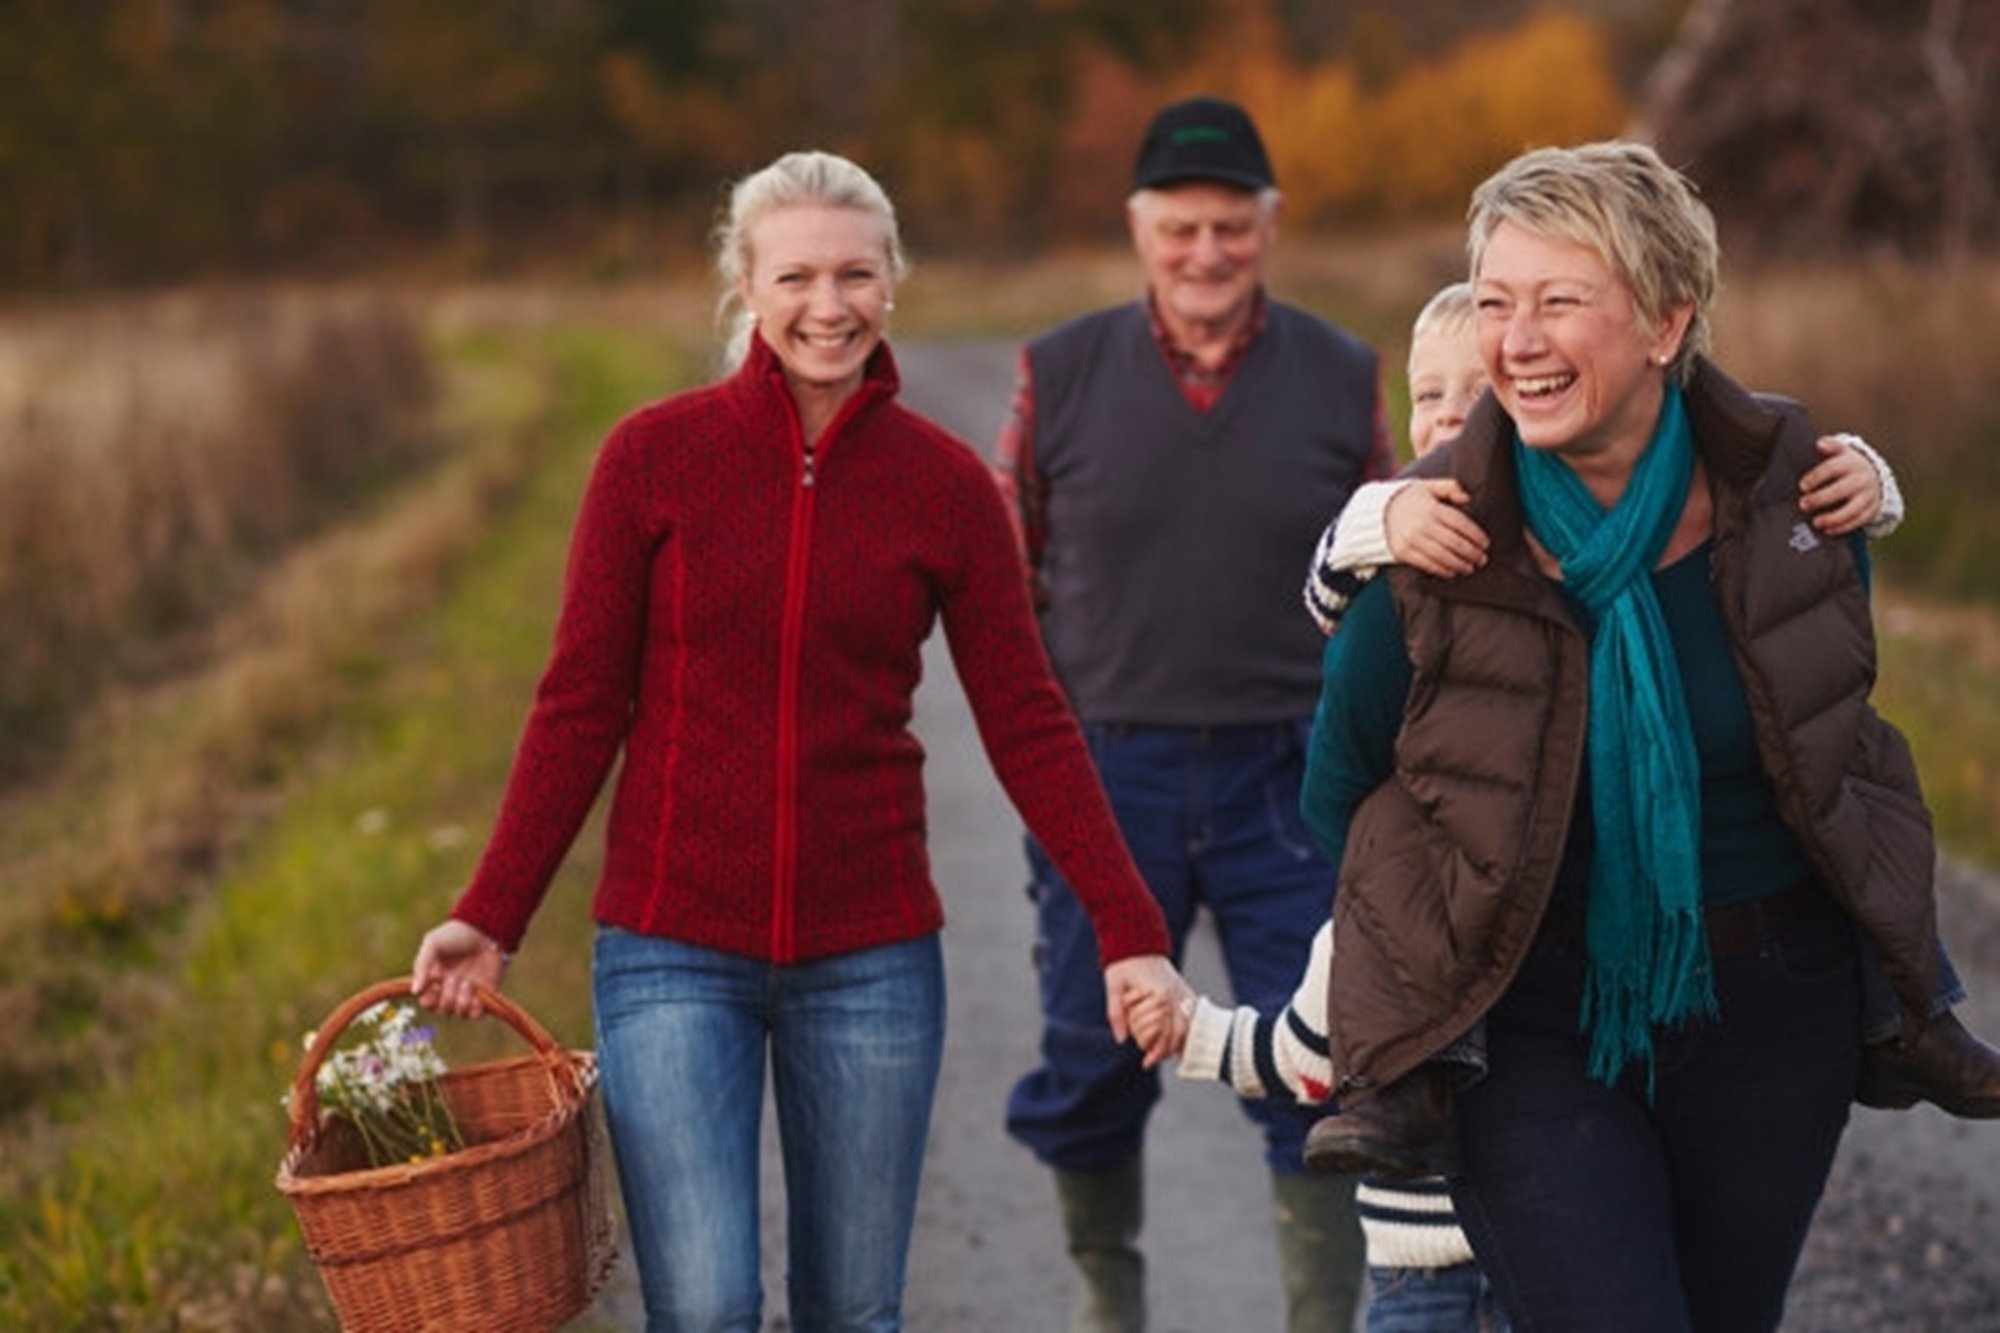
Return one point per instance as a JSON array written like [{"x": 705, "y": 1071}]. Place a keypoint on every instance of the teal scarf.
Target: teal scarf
[{"x": 1648, "y": 954}]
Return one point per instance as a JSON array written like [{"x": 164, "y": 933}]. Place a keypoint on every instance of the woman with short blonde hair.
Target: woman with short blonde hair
[{"x": 1619, "y": 793}]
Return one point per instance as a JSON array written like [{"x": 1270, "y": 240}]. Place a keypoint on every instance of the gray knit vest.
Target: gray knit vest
[{"x": 1178, "y": 540}]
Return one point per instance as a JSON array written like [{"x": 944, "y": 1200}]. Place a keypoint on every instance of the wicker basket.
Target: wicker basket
[{"x": 511, "y": 1233}]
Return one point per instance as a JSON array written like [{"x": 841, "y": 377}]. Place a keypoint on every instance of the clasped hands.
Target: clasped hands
[{"x": 1147, "y": 1001}]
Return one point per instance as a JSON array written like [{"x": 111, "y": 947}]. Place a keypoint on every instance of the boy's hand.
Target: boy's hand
[
  {"x": 1158, "y": 1024},
  {"x": 1842, "y": 493},
  {"x": 1429, "y": 530},
  {"x": 1148, "y": 989}
]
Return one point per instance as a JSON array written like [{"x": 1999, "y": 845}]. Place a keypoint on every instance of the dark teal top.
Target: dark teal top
[{"x": 1746, "y": 849}]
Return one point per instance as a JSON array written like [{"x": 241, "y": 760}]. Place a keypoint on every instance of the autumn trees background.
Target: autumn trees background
[
  {"x": 1819, "y": 124},
  {"x": 143, "y": 140}
]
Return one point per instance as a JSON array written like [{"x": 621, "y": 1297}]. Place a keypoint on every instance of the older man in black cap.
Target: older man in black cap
[{"x": 1173, "y": 461}]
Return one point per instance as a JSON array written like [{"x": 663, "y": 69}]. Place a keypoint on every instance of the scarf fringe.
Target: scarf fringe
[{"x": 1623, "y": 1005}]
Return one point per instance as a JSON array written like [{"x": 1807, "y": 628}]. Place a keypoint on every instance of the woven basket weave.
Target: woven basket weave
[{"x": 510, "y": 1234}]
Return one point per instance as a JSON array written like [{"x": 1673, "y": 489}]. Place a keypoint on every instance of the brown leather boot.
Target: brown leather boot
[
  {"x": 1946, "y": 1066},
  {"x": 1404, "y": 1132}
]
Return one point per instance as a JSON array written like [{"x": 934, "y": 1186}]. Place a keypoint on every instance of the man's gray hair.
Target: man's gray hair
[{"x": 1267, "y": 198}]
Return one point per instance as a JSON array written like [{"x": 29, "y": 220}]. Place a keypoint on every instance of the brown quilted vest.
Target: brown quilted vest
[{"x": 1450, "y": 862}]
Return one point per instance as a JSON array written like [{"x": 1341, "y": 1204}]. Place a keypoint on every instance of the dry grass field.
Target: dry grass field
[{"x": 156, "y": 454}]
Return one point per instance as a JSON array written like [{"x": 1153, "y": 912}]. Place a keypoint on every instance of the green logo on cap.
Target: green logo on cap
[{"x": 1198, "y": 134}]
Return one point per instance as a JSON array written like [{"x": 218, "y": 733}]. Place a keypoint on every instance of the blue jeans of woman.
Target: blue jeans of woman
[
  {"x": 854, "y": 1044},
  {"x": 1594, "y": 1207}
]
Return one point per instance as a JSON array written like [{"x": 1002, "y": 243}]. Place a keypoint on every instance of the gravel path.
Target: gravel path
[{"x": 1903, "y": 1242}]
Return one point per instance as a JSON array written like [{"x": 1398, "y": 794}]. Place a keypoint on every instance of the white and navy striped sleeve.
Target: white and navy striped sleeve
[
  {"x": 1354, "y": 545},
  {"x": 1281, "y": 1056}
]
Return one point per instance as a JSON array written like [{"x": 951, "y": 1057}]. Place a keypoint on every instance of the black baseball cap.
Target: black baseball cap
[{"x": 1202, "y": 138}]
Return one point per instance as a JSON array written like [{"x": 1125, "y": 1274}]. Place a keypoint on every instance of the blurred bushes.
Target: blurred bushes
[{"x": 1902, "y": 353}]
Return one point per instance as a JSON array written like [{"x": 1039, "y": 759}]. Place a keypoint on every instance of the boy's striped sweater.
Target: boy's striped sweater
[{"x": 1407, "y": 1224}]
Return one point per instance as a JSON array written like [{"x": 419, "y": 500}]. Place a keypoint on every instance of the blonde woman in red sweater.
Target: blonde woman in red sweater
[{"x": 755, "y": 568}]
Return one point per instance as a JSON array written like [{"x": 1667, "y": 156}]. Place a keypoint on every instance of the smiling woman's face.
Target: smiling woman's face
[
  {"x": 819, "y": 284},
  {"x": 1564, "y": 345}
]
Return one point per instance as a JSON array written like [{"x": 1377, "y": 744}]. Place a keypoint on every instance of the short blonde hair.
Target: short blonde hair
[
  {"x": 1621, "y": 200},
  {"x": 795, "y": 179}
]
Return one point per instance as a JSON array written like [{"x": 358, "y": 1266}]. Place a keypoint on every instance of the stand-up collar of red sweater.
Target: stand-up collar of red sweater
[{"x": 881, "y": 381}]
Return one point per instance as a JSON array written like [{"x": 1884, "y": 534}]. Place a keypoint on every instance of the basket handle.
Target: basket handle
[{"x": 305, "y": 1093}]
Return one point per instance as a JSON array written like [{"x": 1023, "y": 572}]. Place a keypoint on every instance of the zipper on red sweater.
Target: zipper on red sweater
[
  {"x": 791, "y": 638},
  {"x": 791, "y": 650}
]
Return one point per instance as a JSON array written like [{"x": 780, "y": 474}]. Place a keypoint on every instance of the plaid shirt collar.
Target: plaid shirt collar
[{"x": 1201, "y": 385}]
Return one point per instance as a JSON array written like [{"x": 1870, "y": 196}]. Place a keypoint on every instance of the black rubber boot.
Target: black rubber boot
[
  {"x": 1102, "y": 1212},
  {"x": 1319, "y": 1252}
]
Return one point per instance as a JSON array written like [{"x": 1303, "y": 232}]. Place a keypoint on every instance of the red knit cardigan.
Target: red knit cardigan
[{"x": 743, "y": 617}]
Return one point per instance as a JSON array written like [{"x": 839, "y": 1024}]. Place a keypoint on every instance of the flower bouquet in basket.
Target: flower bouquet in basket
[
  {"x": 386, "y": 1087},
  {"x": 435, "y": 1198}
]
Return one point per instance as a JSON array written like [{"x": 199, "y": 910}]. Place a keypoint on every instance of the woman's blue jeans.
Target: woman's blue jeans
[
  {"x": 854, "y": 1044},
  {"x": 1592, "y": 1207}
]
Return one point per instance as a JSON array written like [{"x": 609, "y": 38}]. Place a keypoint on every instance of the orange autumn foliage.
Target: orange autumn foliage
[{"x": 1414, "y": 143}]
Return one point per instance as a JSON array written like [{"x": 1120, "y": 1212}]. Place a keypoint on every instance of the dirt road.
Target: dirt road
[{"x": 1902, "y": 1241}]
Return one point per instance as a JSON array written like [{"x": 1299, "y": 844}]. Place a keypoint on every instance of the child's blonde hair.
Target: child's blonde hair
[{"x": 1449, "y": 311}]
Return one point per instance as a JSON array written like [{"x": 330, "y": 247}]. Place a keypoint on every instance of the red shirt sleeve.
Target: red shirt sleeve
[
  {"x": 583, "y": 703},
  {"x": 1031, "y": 736}
]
